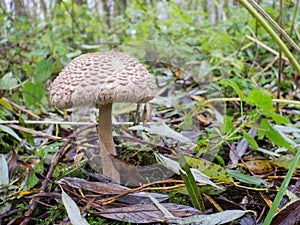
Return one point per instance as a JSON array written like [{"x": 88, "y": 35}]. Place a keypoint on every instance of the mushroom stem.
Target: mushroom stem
[{"x": 107, "y": 146}]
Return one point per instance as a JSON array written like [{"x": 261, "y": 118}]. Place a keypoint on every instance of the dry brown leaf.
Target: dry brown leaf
[
  {"x": 147, "y": 213},
  {"x": 97, "y": 187},
  {"x": 129, "y": 172},
  {"x": 289, "y": 215},
  {"x": 111, "y": 189},
  {"x": 266, "y": 199},
  {"x": 204, "y": 119}
]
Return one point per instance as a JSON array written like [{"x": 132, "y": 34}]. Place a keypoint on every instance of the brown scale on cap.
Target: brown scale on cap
[{"x": 100, "y": 79}]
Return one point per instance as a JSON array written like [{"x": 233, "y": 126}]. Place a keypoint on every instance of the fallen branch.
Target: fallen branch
[{"x": 35, "y": 201}]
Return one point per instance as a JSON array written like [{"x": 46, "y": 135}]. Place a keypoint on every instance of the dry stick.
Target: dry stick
[
  {"x": 34, "y": 203},
  {"x": 37, "y": 133},
  {"x": 22, "y": 109},
  {"x": 130, "y": 191},
  {"x": 275, "y": 25},
  {"x": 116, "y": 124},
  {"x": 268, "y": 49},
  {"x": 265, "y": 47},
  {"x": 41, "y": 134}
]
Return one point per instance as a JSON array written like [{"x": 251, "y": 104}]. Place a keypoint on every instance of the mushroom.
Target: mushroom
[{"x": 101, "y": 79}]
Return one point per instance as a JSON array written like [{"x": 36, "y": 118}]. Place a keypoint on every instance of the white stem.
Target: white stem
[{"x": 107, "y": 146}]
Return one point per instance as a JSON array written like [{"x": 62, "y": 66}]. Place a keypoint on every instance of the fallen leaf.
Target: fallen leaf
[
  {"x": 162, "y": 129},
  {"x": 259, "y": 166},
  {"x": 288, "y": 215},
  {"x": 147, "y": 213},
  {"x": 211, "y": 219},
  {"x": 129, "y": 173},
  {"x": 4, "y": 181},
  {"x": 210, "y": 169},
  {"x": 203, "y": 119},
  {"x": 111, "y": 189},
  {"x": 163, "y": 209},
  {"x": 175, "y": 167},
  {"x": 73, "y": 211},
  {"x": 245, "y": 178}
]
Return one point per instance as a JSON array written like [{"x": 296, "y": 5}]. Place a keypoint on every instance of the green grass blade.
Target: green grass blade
[
  {"x": 282, "y": 188},
  {"x": 190, "y": 182}
]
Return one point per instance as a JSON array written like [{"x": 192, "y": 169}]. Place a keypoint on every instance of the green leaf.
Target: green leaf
[
  {"x": 46, "y": 149},
  {"x": 210, "y": 169},
  {"x": 259, "y": 99},
  {"x": 39, "y": 52},
  {"x": 245, "y": 178},
  {"x": 6, "y": 104},
  {"x": 190, "y": 182},
  {"x": 33, "y": 93},
  {"x": 32, "y": 181},
  {"x": 10, "y": 131},
  {"x": 43, "y": 70},
  {"x": 250, "y": 140},
  {"x": 8, "y": 82},
  {"x": 187, "y": 123},
  {"x": 237, "y": 89},
  {"x": 40, "y": 166},
  {"x": 227, "y": 126},
  {"x": 265, "y": 129},
  {"x": 284, "y": 162},
  {"x": 29, "y": 137},
  {"x": 278, "y": 118}
]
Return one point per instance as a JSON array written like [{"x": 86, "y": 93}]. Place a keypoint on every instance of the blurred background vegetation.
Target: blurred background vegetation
[{"x": 39, "y": 37}]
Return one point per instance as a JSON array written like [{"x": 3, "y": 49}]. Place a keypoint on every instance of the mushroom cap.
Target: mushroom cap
[{"x": 101, "y": 78}]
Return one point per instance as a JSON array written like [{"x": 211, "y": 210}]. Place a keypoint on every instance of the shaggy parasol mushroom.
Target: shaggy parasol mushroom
[{"x": 101, "y": 79}]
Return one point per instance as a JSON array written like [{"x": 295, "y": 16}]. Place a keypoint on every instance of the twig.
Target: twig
[
  {"x": 265, "y": 47},
  {"x": 61, "y": 122},
  {"x": 41, "y": 134},
  {"x": 35, "y": 201},
  {"x": 34, "y": 132},
  {"x": 130, "y": 191},
  {"x": 22, "y": 109},
  {"x": 293, "y": 61},
  {"x": 275, "y": 25}
]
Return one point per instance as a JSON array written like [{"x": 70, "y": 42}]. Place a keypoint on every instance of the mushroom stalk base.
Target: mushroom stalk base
[{"x": 107, "y": 146}]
